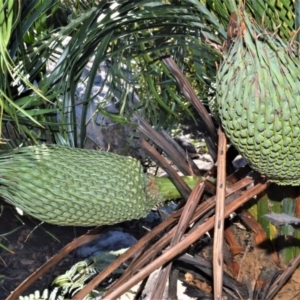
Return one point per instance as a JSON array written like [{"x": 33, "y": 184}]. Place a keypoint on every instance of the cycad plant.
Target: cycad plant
[
  {"x": 135, "y": 36},
  {"x": 132, "y": 38}
]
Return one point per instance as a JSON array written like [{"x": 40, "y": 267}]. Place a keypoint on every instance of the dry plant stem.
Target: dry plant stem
[
  {"x": 168, "y": 147},
  {"x": 187, "y": 214},
  {"x": 283, "y": 278},
  {"x": 190, "y": 94},
  {"x": 145, "y": 257},
  {"x": 129, "y": 253},
  {"x": 230, "y": 262},
  {"x": 183, "y": 244},
  {"x": 182, "y": 186},
  {"x": 193, "y": 168},
  {"x": 249, "y": 220},
  {"x": 234, "y": 247},
  {"x": 82, "y": 240},
  {"x": 219, "y": 218}
]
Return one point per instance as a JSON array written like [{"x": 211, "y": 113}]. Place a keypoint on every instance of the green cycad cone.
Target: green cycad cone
[
  {"x": 68, "y": 186},
  {"x": 258, "y": 99}
]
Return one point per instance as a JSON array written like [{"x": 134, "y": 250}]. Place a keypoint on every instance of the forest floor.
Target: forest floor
[{"x": 32, "y": 243}]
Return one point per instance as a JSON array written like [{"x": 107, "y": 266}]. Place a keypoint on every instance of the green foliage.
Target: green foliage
[
  {"x": 128, "y": 36},
  {"x": 22, "y": 102},
  {"x": 68, "y": 284},
  {"x": 132, "y": 37}
]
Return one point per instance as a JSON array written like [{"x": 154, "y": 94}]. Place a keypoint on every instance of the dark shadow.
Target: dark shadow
[{"x": 280, "y": 243}]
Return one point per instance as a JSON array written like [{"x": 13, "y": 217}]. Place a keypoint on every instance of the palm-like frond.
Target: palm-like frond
[
  {"x": 127, "y": 39},
  {"x": 132, "y": 37},
  {"x": 22, "y": 102}
]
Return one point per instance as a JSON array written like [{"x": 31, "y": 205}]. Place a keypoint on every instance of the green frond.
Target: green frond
[
  {"x": 132, "y": 37},
  {"x": 77, "y": 277}
]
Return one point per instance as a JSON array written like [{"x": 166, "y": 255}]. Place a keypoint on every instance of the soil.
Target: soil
[
  {"x": 251, "y": 263},
  {"x": 33, "y": 244}
]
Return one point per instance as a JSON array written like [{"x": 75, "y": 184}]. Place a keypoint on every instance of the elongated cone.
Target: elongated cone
[
  {"x": 258, "y": 101},
  {"x": 68, "y": 186}
]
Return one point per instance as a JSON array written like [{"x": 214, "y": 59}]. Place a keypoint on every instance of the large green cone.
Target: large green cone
[
  {"x": 68, "y": 186},
  {"x": 258, "y": 99}
]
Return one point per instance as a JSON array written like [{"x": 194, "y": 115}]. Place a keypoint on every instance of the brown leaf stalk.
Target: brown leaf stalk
[{"x": 219, "y": 219}]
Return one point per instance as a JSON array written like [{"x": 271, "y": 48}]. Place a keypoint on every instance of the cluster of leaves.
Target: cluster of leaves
[
  {"x": 21, "y": 101},
  {"x": 130, "y": 37}
]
